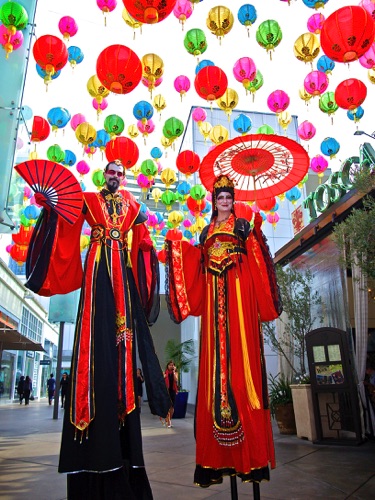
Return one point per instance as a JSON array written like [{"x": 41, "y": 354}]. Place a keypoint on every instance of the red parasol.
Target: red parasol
[
  {"x": 57, "y": 184},
  {"x": 260, "y": 165}
]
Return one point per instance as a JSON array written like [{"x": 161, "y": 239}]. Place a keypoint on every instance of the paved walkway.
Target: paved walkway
[{"x": 30, "y": 441}]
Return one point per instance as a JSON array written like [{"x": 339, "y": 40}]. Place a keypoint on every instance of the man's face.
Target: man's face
[{"x": 114, "y": 176}]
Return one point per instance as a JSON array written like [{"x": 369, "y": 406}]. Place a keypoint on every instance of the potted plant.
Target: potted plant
[
  {"x": 181, "y": 353},
  {"x": 301, "y": 307},
  {"x": 281, "y": 403}
]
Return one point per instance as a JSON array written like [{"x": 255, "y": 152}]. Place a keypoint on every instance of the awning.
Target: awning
[{"x": 12, "y": 339}]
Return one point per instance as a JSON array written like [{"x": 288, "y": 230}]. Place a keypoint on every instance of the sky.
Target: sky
[{"x": 280, "y": 69}]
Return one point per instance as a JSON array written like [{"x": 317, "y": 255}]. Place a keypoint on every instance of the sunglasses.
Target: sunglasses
[{"x": 115, "y": 172}]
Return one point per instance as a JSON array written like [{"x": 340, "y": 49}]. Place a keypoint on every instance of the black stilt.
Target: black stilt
[
  {"x": 233, "y": 488},
  {"x": 256, "y": 491}
]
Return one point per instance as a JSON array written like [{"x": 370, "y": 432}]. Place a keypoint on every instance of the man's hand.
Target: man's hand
[{"x": 41, "y": 200}]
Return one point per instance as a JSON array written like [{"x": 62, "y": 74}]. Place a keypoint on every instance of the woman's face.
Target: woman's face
[
  {"x": 224, "y": 203},
  {"x": 170, "y": 366}
]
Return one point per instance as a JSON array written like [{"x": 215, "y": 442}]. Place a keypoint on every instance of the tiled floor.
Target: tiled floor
[{"x": 30, "y": 440}]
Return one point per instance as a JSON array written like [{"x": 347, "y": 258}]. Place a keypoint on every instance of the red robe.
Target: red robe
[{"x": 230, "y": 281}]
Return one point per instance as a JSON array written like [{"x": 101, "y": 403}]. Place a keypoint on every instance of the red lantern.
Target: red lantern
[
  {"x": 162, "y": 256},
  {"x": 266, "y": 204},
  {"x": 211, "y": 83},
  {"x": 40, "y": 130},
  {"x": 119, "y": 69},
  {"x": 23, "y": 237},
  {"x": 173, "y": 235},
  {"x": 347, "y": 34},
  {"x": 243, "y": 210},
  {"x": 124, "y": 149},
  {"x": 19, "y": 254},
  {"x": 350, "y": 93},
  {"x": 188, "y": 162},
  {"x": 195, "y": 206},
  {"x": 50, "y": 53},
  {"x": 149, "y": 11}
]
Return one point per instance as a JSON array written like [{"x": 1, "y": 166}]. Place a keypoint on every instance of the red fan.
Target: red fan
[{"x": 57, "y": 184}]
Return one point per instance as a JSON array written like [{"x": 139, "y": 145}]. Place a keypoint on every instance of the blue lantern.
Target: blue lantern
[
  {"x": 207, "y": 209},
  {"x": 156, "y": 153},
  {"x": 329, "y": 147},
  {"x": 203, "y": 64},
  {"x": 355, "y": 114},
  {"x": 144, "y": 208},
  {"x": 69, "y": 159},
  {"x": 293, "y": 195},
  {"x": 102, "y": 138},
  {"x": 83, "y": 186},
  {"x": 183, "y": 188},
  {"x": 314, "y": 4},
  {"x": 247, "y": 15},
  {"x": 159, "y": 217},
  {"x": 43, "y": 74},
  {"x": 242, "y": 124},
  {"x": 75, "y": 55},
  {"x": 188, "y": 234},
  {"x": 58, "y": 118},
  {"x": 143, "y": 111},
  {"x": 31, "y": 212},
  {"x": 325, "y": 64}
]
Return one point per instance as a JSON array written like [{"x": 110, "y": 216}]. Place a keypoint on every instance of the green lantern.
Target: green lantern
[
  {"x": 98, "y": 178},
  {"x": 255, "y": 84},
  {"x": 327, "y": 103},
  {"x": 149, "y": 169},
  {"x": 114, "y": 125},
  {"x": 173, "y": 128},
  {"x": 269, "y": 35},
  {"x": 195, "y": 42},
  {"x": 265, "y": 129},
  {"x": 168, "y": 198},
  {"x": 198, "y": 192},
  {"x": 55, "y": 153},
  {"x": 14, "y": 16}
]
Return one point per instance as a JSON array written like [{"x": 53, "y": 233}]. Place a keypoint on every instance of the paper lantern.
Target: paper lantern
[
  {"x": 58, "y": 118},
  {"x": 327, "y": 104},
  {"x": 330, "y": 147},
  {"x": 119, "y": 69},
  {"x": 306, "y": 48},
  {"x": 199, "y": 115},
  {"x": 325, "y": 64},
  {"x": 182, "y": 11},
  {"x": 195, "y": 42},
  {"x": 13, "y": 16},
  {"x": 350, "y": 93},
  {"x": 123, "y": 149},
  {"x": 9, "y": 41},
  {"x": 181, "y": 85},
  {"x": 255, "y": 84},
  {"x": 228, "y": 101},
  {"x": 85, "y": 133},
  {"x": 319, "y": 165},
  {"x": 75, "y": 56},
  {"x": 149, "y": 11},
  {"x": 315, "y": 23},
  {"x": 244, "y": 70},
  {"x": 55, "y": 153},
  {"x": 188, "y": 162},
  {"x": 67, "y": 27},
  {"x": 278, "y": 101},
  {"x": 220, "y": 21},
  {"x": 152, "y": 69},
  {"x": 50, "y": 53},
  {"x": 203, "y": 64},
  {"x": 76, "y": 120},
  {"x": 106, "y": 6},
  {"x": 306, "y": 130},
  {"x": 242, "y": 124},
  {"x": 210, "y": 83},
  {"x": 347, "y": 34},
  {"x": 247, "y": 15},
  {"x": 114, "y": 125},
  {"x": 316, "y": 83},
  {"x": 269, "y": 35},
  {"x": 40, "y": 129}
]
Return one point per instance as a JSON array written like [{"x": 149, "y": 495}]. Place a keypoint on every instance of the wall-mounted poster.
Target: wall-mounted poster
[{"x": 329, "y": 374}]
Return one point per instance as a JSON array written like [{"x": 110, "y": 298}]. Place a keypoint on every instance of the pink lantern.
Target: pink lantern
[
  {"x": 152, "y": 219},
  {"x": 273, "y": 218},
  {"x": 106, "y": 6},
  {"x": 183, "y": 10},
  {"x": 278, "y": 101},
  {"x": 244, "y": 71},
  {"x": 306, "y": 130},
  {"x": 368, "y": 5},
  {"x": 255, "y": 208},
  {"x": 90, "y": 151},
  {"x": 87, "y": 231},
  {"x": 77, "y": 120},
  {"x": 145, "y": 128},
  {"x": 316, "y": 83},
  {"x": 68, "y": 27},
  {"x": 144, "y": 182},
  {"x": 199, "y": 115},
  {"x": 368, "y": 58},
  {"x": 82, "y": 168},
  {"x": 182, "y": 85},
  {"x": 187, "y": 223},
  {"x": 27, "y": 192},
  {"x": 99, "y": 107},
  {"x": 146, "y": 83},
  {"x": 319, "y": 164},
  {"x": 10, "y": 42},
  {"x": 315, "y": 23}
]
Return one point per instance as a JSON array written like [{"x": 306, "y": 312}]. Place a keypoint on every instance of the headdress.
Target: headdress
[{"x": 223, "y": 182}]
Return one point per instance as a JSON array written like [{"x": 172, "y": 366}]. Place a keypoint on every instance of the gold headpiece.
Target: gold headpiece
[{"x": 223, "y": 182}]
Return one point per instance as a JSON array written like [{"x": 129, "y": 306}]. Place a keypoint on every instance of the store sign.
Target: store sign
[
  {"x": 45, "y": 362},
  {"x": 338, "y": 183}
]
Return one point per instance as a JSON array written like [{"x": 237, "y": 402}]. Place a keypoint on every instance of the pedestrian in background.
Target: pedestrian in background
[
  {"x": 51, "y": 387},
  {"x": 64, "y": 382},
  {"x": 27, "y": 389},
  {"x": 20, "y": 388}
]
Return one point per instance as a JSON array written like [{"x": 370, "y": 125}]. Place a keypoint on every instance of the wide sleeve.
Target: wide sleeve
[
  {"x": 184, "y": 280},
  {"x": 264, "y": 276},
  {"x": 53, "y": 264}
]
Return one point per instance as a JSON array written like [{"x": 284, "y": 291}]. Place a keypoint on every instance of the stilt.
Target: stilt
[
  {"x": 256, "y": 491},
  {"x": 233, "y": 488}
]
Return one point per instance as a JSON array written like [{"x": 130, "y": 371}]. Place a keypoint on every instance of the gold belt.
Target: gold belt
[
  {"x": 219, "y": 248},
  {"x": 101, "y": 233}
]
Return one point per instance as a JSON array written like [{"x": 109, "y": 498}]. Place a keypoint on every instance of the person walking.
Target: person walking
[
  {"x": 101, "y": 445},
  {"x": 171, "y": 380},
  {"x": 64, "y": 382},
  {"x": 140, "y": 382},
  {"x": 20, "y": 388},
  {"x": 27, "y": 389},
  {"x": 51, "y": 387}
]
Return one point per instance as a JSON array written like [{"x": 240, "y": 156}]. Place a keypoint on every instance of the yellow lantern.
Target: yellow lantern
[
  {"x": 84, "y": 242},
  {"x": 85, "y": 133},
  {"x": 175, "y": 218},
  {"x": 220, "y": 21},
  {"x": 136, "y": 170},
  {"x": 284, "y": 119},
  {"x": 133, "y": 131},
  {"x": 152, "y": 69},
  {"x": 371, "y": 75},
  {"x": 304, "y": 95},
  {"x": 96, "y": 89},
  {"x": 168, "y": 177},
  {"x": 159, "y": 104},
  {"x": 156, "y": 194},
  {"x": 130, "y": 21},
  {"x": 166, "y": 142},
  {"x": 228, "y": 101},
  {"x": 205, "y": 129},
  {"x": 219, "y": 134},
  {"x": 306, "y": 47}
]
